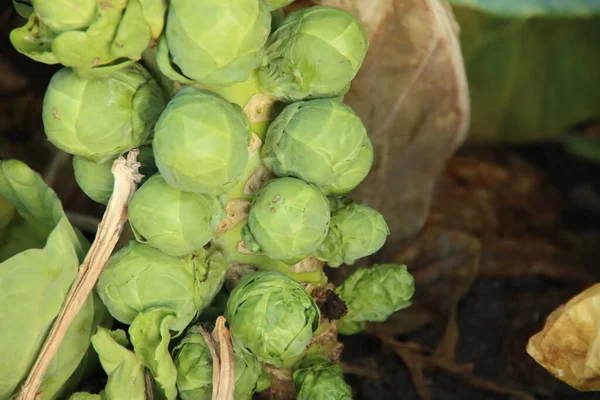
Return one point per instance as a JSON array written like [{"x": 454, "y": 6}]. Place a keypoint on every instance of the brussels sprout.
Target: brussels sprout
[
  {"x": 101, "y": 118},
  {"x": 95, "y": 179},
  {"x": 175, "y": 222},
  {"x": 244, "y": 262},
  {"x": 315, "y": 377},
  {"x": 277, "y": 4},
  {"x": 355, "y": 175},
  {"x": 91, "y": 36},
  {"x": 316, "y": 140},
  {"x": 201, "y": 142},
  {"x": 61, "y": 15},
  {"x": 356, "y": 231},
  {"x": 195, "y": 370},
  {"x": 213, "y": 42},
  {"x": 315, "y": 53},
  {"x": 373, "y": 294},
  {"x": 139, "y": 277},
  {"x": 271, "y": 317},
  {"x": 288, "y": 220},
  {"x": 65, "y": 15}
]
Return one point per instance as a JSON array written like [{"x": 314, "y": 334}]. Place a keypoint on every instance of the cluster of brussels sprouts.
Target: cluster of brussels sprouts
[{"x": 247, "y": 162}]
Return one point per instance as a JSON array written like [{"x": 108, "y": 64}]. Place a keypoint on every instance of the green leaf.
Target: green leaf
[
  {"x": 23, "y": 8},
  {"x": 531, "y": 66},
  {"x": 150, "y": 337},
  {"x": 584, "y": 148},
  {"x": 35, "y": 281},
  {"x": 85, "y": 396},
  {"x": 34, "y": 40},
  {"x": 373, "y": 294},
  {"x": 125, "y": 371}
]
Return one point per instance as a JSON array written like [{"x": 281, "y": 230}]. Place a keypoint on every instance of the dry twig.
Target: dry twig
[
  {"x": 110, "y": 228},
  {"x": 417, "y": 358},
  {"x": 221, "y": 351}
]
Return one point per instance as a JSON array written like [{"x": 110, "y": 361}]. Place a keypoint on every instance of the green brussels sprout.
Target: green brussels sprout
[
  {"x": 355, "y": 231},
  {"x": 213, "y": 42},
  {"x": 288, "y": 220},
  {"x": 349, "y": 180},
  {"x": 93, "y": 37},
  {"x": 65, "y": 15},
  {"x": 277, "y": 4},
  {"x": 195, "y": 370},
  {"x": 194, "y": 367},
  {"x": 201, "y": 142},
  {"x": 315, "y": 377},
  {"x": 175, "y": 222},
  {"x": 95, "y": 179},
  {"x": 139, "y": 277},
  {"x": 373, "y": 294},
  {"x": 315, "y": 53},
  {"x": 316, "y": 140},
  {"x": 101, "y": 118},
  {"x": 271, "y": 316}
]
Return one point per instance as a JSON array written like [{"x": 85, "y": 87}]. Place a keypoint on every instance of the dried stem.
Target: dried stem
[
  {"x": 110, "y": 228},
  {"x": 149, "y": 382},
  {"x": 227, "y": 373},
  {"x": 221, "y": 350},
  {"x": 216, "y": 362}
]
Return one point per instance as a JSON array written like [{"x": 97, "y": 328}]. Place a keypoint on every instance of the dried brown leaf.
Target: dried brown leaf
[
  {"x": 412, "y": 95},
  {"x": 568, "y": 344}
]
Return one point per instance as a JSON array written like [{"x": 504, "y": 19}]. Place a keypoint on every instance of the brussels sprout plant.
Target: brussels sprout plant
[{"x": 248, "y": 159}]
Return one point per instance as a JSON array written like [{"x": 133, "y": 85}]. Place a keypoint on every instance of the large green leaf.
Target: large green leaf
[
  {"x": 34, "y": 282},
  {"x": 532, "y": 66}
]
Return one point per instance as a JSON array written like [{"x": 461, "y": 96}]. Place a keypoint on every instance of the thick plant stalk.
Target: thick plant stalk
[{"x": 110, "y": 228}]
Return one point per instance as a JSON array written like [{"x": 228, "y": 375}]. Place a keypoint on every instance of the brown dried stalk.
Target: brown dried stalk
[
  {"x": 222, "y": 338},
  {"x": 110, "y": 228},
  {"x": 221, "y": 351}
]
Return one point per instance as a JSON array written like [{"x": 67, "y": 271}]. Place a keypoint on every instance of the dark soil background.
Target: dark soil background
[{"x": 513, "y": 234}]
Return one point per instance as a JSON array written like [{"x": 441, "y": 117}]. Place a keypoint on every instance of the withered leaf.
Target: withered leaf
[
  {"x": 412, "y": 95},
  {"x": 568, "y": 345}
]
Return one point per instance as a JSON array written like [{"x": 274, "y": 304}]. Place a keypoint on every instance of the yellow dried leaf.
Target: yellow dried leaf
[{"x": 569, "y": 345}]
